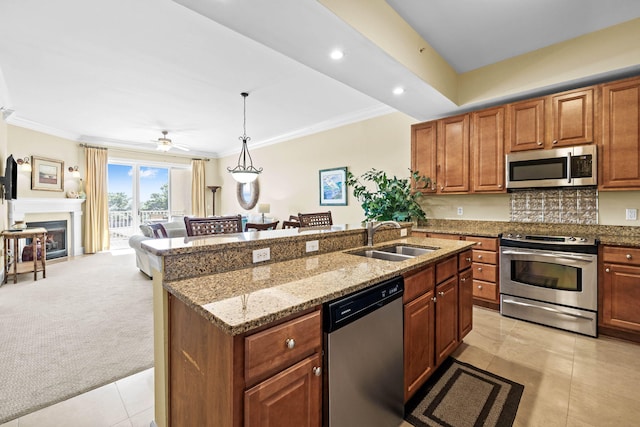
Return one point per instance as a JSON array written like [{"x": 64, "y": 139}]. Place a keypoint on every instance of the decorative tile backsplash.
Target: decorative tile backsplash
[{"x": 559, "y": 205}]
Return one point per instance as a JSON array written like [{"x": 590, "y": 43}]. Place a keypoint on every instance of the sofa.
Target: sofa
[{"x": 174, "y": 228}]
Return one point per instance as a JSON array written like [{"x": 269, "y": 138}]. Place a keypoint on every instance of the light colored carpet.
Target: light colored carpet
[{"x": 90, "y": 322}]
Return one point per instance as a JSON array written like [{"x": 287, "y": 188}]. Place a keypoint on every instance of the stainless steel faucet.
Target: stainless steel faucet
[{"x": 371, "y": 229}]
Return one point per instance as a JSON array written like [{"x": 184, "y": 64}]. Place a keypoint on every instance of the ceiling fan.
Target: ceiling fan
[{"x": 165, "y": 144}]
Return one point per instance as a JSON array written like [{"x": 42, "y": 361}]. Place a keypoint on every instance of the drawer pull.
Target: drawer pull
[
  {"x": 539, "y": 143},
  {"x": 629, "y": 256},
  {"x": 464, "y": 279},
  {"x": 480, "y": 287},
  {"x": 479, "y": 243},
  {"x": 317, "y": 371},
  {"x": 291, "y": 343},
  {"x": 468, "y": 259},
  {"x": 607, "y": 270},
  {"x": 479, "y": 256},
  {"x": 479, "y": 268}
]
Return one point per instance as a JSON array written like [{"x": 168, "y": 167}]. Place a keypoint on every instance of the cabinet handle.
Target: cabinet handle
[
  {"x": 463, "y": 279},
  {"x": 479, "y": 256},
  {"x": 479, "y": 268},
  {"x": 499, "y": 185},
  {"x": 480, "y": 287},
  {"x": 442, "y": 188},
  {"x": 555, "y": 141},
  {"x": 434, "y": 299},
  {"x": 607, "y": 270},
  {"x": 629, "y": 256},
  {"x": 291, "y": 343},
  {"x": 441, "y": 294},
  {"x": 317, "y": 371},
  {"x": 539, "y": 143},
  {"x": 468, "y": 259},
  {"x": 479, "y": 243}
]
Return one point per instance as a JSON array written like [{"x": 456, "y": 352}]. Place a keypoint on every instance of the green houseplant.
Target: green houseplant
[{"x": 392, "y": 198}]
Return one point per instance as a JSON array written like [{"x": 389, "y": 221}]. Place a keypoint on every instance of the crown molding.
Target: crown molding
[{"x": 15, "y": 120}]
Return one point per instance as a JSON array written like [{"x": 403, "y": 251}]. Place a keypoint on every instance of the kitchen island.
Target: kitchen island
[{"x": 214, "y": 329}]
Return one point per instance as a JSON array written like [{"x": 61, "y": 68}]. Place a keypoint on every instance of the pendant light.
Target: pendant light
[{"x": 242, "y": 172}]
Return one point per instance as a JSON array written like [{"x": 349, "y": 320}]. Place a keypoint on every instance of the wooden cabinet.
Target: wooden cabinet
[
  {"x": 620, "y": 292},
  {"x": 620, "y": 159},
  {"x": 487, "y": 147},
  {"x": 485, "y": 268},
  {"x": 430, "y": 321},
  {"x": 465, "y": 295},
  {"x": 558, "y": 120},
  {"x": 526, "y": 124},
  {"x": 270, "y": 377},
  {"x": 423, "y": 151},
  {"x": 453, "y": 155}
]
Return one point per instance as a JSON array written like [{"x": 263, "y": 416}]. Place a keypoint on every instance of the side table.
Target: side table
[{"x": 13, "y": 267}]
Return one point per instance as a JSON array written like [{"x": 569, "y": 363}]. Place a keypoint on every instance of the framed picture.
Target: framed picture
[
  {"x": 47, "y": 174},
  {"x": 333, "y": 187}
]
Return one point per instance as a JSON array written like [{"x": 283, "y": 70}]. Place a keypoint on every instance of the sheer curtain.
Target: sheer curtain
[
  {"x": 96, "y": 218},
  {"x": 198, "y": 203}
]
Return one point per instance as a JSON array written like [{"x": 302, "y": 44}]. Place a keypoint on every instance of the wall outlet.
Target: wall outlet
[
  {"x": 261, "y": 255},
  {"x": 460, "y": 210},
  {"x": 403, "y": 232},
  {"x": 312, "y": 245},
  {"x": 632, "y": 214}
]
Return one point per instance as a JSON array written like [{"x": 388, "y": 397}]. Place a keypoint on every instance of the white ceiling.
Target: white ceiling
[{"x": 118, "y": 72}]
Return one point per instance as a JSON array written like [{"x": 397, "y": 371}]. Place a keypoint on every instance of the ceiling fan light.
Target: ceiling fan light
[{"x": 163, "y": 147}]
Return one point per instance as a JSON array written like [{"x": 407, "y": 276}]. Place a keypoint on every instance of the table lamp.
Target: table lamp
[{"x": 263, "y": 208}]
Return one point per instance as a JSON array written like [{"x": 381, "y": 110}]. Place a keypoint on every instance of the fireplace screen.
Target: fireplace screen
[{"x": 56, "y": 243}]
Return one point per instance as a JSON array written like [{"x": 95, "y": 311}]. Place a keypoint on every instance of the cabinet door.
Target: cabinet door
[
  {"x": 621, "y": 135},
  {"x": 487, "y": 146},
  {"x": 621, "y": 296},
  {"x": 526, "y": 125},
  {"x": 423, "y": 151},
  {"x": 572, "y": 118},
  {"x": 416, "y": 284},
  {"x": 291, "y": 398},
  {"x": 419, "y": 329},
  {"x": 446, "y": 318},
  {"x": 465, "y": 293},
  {"x": 453, "y": 154}
]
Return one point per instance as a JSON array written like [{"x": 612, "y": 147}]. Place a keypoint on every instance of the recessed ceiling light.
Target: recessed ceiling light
[
  {"x": 337, "y": 54},
  {"x": 398, "y": 91}
]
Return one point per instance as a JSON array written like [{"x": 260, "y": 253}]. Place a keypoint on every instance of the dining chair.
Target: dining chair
[
  {"x": 157, "y": 230},
  {"x": 290, "y": 224},
  {"x": 213, "y": 225},
  {"x": 315, "y": 219},
  {"x": 260, "y": 226}
]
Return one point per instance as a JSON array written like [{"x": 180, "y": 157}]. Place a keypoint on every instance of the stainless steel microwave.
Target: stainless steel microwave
[{"x": 559, "y": 167}]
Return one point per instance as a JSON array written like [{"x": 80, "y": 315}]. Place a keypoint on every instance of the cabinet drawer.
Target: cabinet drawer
[
  {"x": 621, "y": 255},
  {"x": 485, "y": 290},
  {"x": 484, "y": 243},
  {"x": 486, "y": 272},
  {"x": 445, "y": 269},
  {"x": 268, "y": 351},
  {"x": 464, "y": 260},
  {"x": 485, "y": 257},
  {"x": 416, "y": 284},
  {"x": 418, "y": 233}
]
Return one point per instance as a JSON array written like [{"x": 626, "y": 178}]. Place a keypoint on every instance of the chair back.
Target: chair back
[
  {"x": 213, "y": 225},
  {"x": 157, "y": 230},
  {"x": 315, "y": 219},
  {"x": 259, "y": 226},
  {"x": 290, "y": 224}
]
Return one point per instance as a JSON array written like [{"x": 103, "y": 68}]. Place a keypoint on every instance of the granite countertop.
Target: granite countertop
[{"x": 241, "y": 300}]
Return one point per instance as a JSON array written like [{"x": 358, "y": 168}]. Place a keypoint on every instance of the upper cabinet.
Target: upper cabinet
[
  {"x": 559, "y": 120},
  {"x": 452, "y": 174},
  {"x": 620, "y": 160},
  {"x": 423, "y": 151},
  {"x": 487, "y": 148}
]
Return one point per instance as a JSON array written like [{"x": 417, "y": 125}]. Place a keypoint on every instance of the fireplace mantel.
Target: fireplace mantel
[{"x": 18, "y": 208}]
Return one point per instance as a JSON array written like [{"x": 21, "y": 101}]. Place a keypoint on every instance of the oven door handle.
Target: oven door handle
[
  {"x": 553, "y": 255},
  {"x": 553, "y": 310}
]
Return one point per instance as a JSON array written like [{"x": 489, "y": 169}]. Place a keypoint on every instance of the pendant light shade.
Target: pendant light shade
[{"x": 244, "y": 172}]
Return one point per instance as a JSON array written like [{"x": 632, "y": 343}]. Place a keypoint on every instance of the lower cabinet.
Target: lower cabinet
[
  {"x": 620, "y": 292},
  {"x": 430, "y": 321},
  {"x": 465, "y": 303}
]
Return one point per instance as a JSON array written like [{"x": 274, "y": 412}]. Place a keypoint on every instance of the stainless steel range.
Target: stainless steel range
[{"x": 551, "y": 280}]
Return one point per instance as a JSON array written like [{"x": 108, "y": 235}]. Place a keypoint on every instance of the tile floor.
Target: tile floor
[{"x": 569, "y": 379}]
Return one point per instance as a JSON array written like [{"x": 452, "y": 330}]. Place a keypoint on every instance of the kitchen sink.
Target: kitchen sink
[
  {"x": 393, "y": 253},
  {"x": 411, "y": 251}
]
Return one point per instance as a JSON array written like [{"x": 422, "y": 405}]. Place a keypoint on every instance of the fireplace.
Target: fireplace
[{"x": 56, "y": 243}]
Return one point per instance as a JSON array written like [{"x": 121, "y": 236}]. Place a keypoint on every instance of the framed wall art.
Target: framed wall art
[
  {"x": 333, "y": 187},
  {"x": 47, "y": 174}
]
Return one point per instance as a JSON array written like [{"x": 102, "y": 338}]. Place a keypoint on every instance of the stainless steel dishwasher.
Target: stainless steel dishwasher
[{"x": 364, "y": 357}]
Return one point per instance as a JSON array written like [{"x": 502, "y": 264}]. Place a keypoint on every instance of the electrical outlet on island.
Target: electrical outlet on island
[{"x": 261, "y": 255}]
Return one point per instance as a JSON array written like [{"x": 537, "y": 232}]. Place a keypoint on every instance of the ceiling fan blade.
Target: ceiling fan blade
[{"x": 180, "y": 147}]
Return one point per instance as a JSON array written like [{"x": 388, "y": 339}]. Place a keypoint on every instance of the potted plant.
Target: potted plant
[{"x": 392, "y": 198}]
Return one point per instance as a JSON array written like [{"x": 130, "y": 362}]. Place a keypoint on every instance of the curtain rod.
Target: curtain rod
[{"x": 92, "y": 146}]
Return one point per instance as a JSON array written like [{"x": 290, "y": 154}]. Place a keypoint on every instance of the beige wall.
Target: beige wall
[
  {"x": 290, "y": 178},
  {"x": 4, "y": 153}
]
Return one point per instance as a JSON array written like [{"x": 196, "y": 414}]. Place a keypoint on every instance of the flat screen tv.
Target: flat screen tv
[{"x": 10, "y": 180}]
